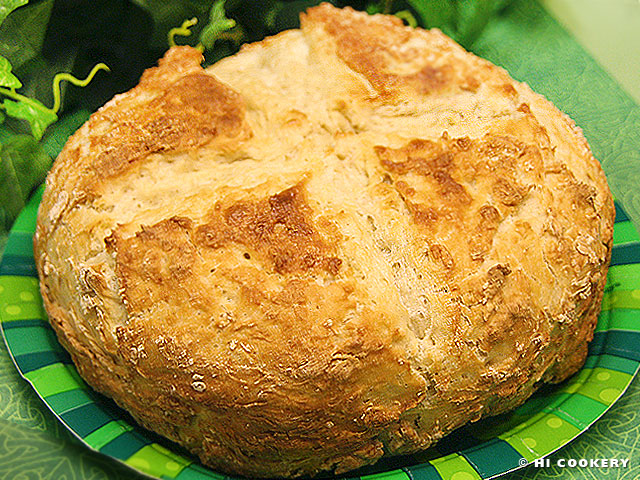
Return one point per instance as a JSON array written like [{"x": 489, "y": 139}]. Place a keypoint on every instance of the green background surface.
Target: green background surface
[{"x": 534, "y": 48}]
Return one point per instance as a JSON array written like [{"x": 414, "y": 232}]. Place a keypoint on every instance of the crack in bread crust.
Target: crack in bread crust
[{"x": 343, "y": 242}]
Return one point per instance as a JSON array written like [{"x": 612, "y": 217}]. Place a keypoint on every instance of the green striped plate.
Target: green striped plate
[{"x": 549, "y": 420}]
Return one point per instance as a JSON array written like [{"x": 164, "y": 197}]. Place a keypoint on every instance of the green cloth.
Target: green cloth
[{"x": 533, "y": 48}]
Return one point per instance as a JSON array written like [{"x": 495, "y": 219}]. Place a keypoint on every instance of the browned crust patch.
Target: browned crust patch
[
  {"x": 379, "y": 49},
  {"x": 177, "y": 107},
  {"x": 189, "y": 113},
  {"x": 278, "y": 228}
]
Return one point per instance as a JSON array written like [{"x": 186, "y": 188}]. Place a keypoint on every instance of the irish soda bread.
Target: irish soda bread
[{"x": 344, "y": 241}]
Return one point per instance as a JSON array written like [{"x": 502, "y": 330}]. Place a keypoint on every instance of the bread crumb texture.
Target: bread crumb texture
[{"x": 344, "y": 241}]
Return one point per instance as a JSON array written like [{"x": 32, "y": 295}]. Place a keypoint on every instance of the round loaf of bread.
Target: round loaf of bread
[{"x": 342, "y": 242}]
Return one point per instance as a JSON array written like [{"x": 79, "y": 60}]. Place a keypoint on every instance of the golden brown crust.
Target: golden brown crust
[
  {"x": 343, "y": 242},
  {"x": 194, "y": 110},
  {"x": 382, "y": 51},
  {"x": 276, "y": 228},
  {"x": 181, "y": 109}
]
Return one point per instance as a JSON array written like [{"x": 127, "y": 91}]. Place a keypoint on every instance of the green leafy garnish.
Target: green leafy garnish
[
  {"x": 8, "y": 6},
  {"x": 218, "y": 24},
  {"x": 240, "y": 21},
  {"x": 8, "y": 79},
  {"x": 23, "y": 161},
  {"x": 463, "y": 20},
  {"x": 23, "y": 165},
  {"x": 24, "y": 31},
  {"x": 437, "y": 13},
  {"x": 31, "y": 110},
  {"x": 408, "y": 17},
  {"x": 22, "y": 107}
]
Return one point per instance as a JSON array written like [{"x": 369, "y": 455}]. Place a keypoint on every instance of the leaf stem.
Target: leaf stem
[
  {"x": 11, "y": 93},
  {"x": 71, "y": 79}
]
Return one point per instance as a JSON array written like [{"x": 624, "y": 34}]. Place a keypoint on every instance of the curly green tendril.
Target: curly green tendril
[
  {"x": 183, "y": 31},
  {"x": 71, "y": 79},
  {"x": 12, "y": 94}
]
